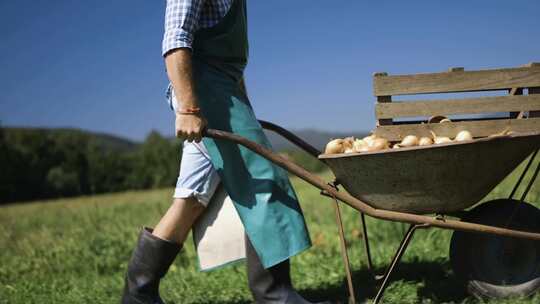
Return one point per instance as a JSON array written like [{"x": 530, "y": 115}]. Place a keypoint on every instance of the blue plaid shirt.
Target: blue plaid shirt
[{"x": 184, "y": 17}]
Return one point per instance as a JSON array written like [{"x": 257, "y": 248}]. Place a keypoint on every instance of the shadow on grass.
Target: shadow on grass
[{"x": 432, "y": 280}]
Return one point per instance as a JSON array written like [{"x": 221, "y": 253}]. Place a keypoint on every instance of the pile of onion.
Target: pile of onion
[
  {"x": 369, "y": 143},
  {"x": 413, "y": 141},
  {"x": 373, "y": 142}
]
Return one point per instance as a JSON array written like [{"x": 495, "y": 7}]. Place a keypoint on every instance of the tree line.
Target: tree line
[
  {"x": 51, "y": 163},
  {"x": 42, "y": 164}
]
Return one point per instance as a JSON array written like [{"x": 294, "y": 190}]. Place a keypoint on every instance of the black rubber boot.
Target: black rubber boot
[
  {"x": 272, "y": 285},
  {"x": 149, "y": 263}
]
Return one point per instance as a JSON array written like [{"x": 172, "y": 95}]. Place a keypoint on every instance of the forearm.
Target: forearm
[{"x": 180, "y": 72}]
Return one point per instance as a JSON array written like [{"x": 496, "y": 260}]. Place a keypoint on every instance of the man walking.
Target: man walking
[{"x": 206, "y": 50}]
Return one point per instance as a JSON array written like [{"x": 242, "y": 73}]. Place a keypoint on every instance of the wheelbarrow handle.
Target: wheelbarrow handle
[
  {"x": 360, "y": 205},
  {"x": 291, "y": 137},
  {"x": 265, "y": 152}
]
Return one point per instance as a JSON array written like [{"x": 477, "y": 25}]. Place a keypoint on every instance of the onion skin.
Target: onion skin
[
  {"x": 442, "y": 140},
  {"x": 425, "y": 141},
  {"x": 335, "y": 146},
  {"x": 463, "y": 136},
  {"x": 358, "y": 145},
  {"x": 503, "y": 133},
  {"x": 348, "y": 142},
  {"x": 369, "y": 139},
  {"x": 409, "y": 141},
  {"x": 379, "y": 144},
  {"x": 365, "y": 148},
  {"x": 350, "y": 145}
]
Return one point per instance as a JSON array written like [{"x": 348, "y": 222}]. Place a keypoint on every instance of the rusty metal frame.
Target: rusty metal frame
[
  {"x": 331, "y": 190},
  {"x": 344, "y": 253},
  {"x": 367, "y": 250}
]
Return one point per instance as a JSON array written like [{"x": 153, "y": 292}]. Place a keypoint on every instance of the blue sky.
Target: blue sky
[{"x": 97, "y": 65}]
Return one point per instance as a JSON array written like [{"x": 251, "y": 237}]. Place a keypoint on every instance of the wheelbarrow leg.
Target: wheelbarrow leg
[
  {"x": 344, "y": 254},
  {"x": 397, "y": 257},
  {"x": 366, "y": 245}
]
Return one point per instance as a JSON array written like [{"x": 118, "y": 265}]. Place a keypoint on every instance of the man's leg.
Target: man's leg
[
  {"x": 157, "y": 249},
  {"x": 177, "y": 222}
]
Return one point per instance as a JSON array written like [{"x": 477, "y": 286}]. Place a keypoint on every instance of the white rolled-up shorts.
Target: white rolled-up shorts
[{"x": 197, "y": 177}]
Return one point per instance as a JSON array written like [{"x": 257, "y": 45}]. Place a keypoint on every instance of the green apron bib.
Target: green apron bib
[{"x": 261, "y": 191}]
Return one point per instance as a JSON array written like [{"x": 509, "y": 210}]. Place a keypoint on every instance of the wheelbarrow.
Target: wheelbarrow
[{"x": 495, "y": 246}]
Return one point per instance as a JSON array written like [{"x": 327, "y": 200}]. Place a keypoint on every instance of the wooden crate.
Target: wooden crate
[{"x": 523, "y": 109}]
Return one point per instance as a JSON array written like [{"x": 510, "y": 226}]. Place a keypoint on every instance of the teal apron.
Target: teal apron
[{"x": 261, "y": 191}]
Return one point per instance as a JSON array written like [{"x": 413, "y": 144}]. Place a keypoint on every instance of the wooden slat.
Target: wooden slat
[
  {"x": 477, "y": 105},
  {"x": 384, "y": 100},
  {"x": 447, "y": 82},
  {"x": 450, "y": 129}
]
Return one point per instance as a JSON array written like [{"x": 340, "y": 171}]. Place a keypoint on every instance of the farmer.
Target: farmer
[{"x": 206, "y": 50}]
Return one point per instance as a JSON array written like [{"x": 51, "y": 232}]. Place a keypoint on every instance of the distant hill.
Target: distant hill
[{"x": 103, "y": 140}]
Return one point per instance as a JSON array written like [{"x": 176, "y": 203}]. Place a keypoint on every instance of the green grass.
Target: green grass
[{"x": 76, "y": 251}]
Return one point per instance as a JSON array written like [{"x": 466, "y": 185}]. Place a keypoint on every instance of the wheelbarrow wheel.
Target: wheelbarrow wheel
[{"x": 494, "y": 266}]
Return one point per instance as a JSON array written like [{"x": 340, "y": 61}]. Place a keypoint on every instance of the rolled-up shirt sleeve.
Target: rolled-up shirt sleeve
[{"x": 181, "y": 22}]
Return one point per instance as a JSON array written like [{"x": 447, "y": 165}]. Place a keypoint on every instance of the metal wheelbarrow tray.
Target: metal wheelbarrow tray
[{"x": 431, "y": 179}]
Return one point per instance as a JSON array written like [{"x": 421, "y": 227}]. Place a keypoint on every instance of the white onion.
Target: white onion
[
  {"x": 409, "y": 141},
  {"x": 425, "y": 141},
  {"x": 440, "y": 139},
  {"x": 358, "y": 144},
  {"x": 464, "y": 135},
  {"x": 348, "y": 142},
  {"x": 365, "y": 148},
  {"x": 370, "y": 139},
  {"x": 334, "y": 146},
  {"x": 378, "y": 144}
]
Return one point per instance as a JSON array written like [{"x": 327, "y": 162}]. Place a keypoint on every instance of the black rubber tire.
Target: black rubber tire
[{"x": 494, "y": 266}]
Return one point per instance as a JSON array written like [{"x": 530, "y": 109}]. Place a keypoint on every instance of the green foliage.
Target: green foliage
[
  {"x": 63, "y": 183},
  {"x": 155, "y": 163},
  {"x": 39, "y": 163}
]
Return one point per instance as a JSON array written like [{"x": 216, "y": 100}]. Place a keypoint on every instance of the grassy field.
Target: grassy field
[{"x": 76, "y": 251}]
